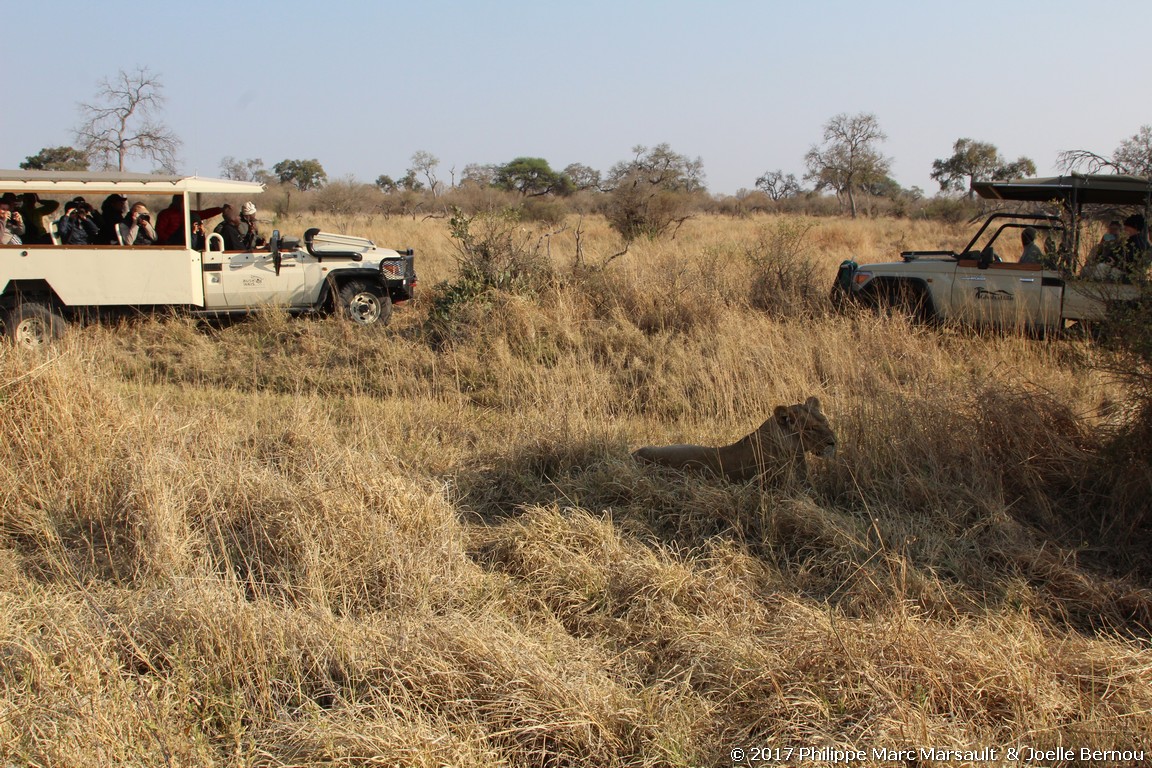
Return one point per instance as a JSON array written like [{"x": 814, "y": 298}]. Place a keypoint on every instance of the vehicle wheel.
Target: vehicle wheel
[
  {"x": 364, "y": 303},
  {"x": 905, "y": 300},
  {"x": 33, "y": 325}
]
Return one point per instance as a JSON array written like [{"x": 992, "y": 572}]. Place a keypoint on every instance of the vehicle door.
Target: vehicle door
[
  {"x": 242, "y": 279},
  {"x": 1004, "y": 294}
]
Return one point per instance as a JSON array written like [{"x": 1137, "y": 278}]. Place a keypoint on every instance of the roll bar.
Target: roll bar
[{"x": 309, "y": 238}]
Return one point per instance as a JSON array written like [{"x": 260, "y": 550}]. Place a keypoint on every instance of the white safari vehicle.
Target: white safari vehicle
[
  {"x": 984, "y": 283},
  {"x": 44, "y": 283}
]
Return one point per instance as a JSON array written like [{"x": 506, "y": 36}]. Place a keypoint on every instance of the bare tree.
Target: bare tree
[
  {"x": 251, "y": 169},
  {"x": 849, "y": 159},
  {"x": 121, "y": 122},
  {"x": 1134, "y": 156},
  {"x": 425, "y": 163},
  {"x": 778, "y": 185}
]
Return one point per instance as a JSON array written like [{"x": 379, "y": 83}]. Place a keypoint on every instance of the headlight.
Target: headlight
[{"x": 392, "y": 269}]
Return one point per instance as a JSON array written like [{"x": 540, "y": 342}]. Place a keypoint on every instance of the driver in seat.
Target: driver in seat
[{"x": 1031, "y": 253}]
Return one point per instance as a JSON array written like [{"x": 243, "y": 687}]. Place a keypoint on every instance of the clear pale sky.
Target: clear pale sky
[{"x": 746, "y": 86}]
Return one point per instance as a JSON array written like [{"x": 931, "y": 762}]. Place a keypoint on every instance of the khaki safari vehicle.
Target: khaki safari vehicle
[
  {"x": 44, "y": 284},
  {"x": 984, "y": 283}
]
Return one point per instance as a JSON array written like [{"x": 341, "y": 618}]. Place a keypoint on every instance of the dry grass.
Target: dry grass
[{"x": 289, "y": 542}]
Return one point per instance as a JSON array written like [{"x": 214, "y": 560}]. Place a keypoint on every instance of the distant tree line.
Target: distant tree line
[{"x": 646, "y": 195}]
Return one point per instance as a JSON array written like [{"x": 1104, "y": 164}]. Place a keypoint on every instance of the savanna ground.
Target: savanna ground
[{"x": 293, "y": 542}]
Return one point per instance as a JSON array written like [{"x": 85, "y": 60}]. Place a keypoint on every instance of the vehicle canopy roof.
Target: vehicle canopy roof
[
  {"x": 1076, "y": 189},
  {"x": 69, "y": 182}
]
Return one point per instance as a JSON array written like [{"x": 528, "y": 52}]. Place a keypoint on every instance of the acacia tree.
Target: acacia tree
[
  {"x": 849, "y": 159},
  {"x": 302, "y": 174},
  {"x": 56, "y": 159},
  {"x": 408, "y": 182},
  {"x": 121, "y": 122},
  {"x": 532, "y": 177},
  {"x": 973, "y": 161},
  {"x": 1133, "y": 155}
]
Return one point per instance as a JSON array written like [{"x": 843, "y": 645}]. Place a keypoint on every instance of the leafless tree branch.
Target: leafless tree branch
[{"x": 120, "y": 122}]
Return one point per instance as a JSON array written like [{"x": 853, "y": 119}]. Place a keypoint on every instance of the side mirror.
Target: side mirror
[{"x": 274, "y": 247}]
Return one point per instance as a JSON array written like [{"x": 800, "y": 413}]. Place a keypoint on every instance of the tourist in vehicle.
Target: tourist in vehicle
[
  {"x": 197, "y": 223},
  {"x": 248, "y": 229},
  {"x": 229, "y": 229},
  {"x": 15, "y": 222},
  {"x": 1104, "y": 259},
  {"x": 170, "y": 221},
  {"x": 1109, "y": 245},
  {"x": 112, "y": 213},
  {"x": 1031, "y": 253},
  {"x": 1133, "y": 261},
  {"x": 76, "y": 226},
  {"x": 137, "y": 229},
  {"x": 8, "y": 235},
  {"x": 33, "y": 210}
]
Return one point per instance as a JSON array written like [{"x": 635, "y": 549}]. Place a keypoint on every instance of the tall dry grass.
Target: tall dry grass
[{"x": 291, "y": 542}]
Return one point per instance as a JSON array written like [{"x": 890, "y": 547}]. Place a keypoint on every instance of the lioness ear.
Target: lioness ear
[
  {"x": 813, "y": 402},
  {"x": 782, "y": 416}
]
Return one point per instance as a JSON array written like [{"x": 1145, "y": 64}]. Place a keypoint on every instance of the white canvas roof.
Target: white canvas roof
[{"x": 89, "y": 182}]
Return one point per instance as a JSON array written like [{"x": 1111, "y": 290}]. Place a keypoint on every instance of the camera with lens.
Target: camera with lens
[{"x": 143, "y": 218}]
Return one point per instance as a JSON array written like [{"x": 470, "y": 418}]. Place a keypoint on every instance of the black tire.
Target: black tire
[
  {"x": 33, "y": 325},
  {"x": 364, "y": 303}
]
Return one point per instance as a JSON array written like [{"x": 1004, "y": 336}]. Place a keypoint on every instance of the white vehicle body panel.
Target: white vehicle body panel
[
  {"x": 1003, "y": 294},
  {"x": 250, "y": 279},
  {"x": 108, "y": 276}
]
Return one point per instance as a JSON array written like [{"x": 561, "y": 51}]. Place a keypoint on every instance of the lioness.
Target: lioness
[{"x": 777, "y": 447}]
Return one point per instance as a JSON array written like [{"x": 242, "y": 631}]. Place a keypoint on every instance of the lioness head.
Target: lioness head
[{"x": 806, "y": 424}]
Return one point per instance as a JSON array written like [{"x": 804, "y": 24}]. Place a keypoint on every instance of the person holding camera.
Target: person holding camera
[
  {"x": 76, "y": 226},
  {"x": 10, "y": 223},
  {"x": 137, "y": 229},
  {"x": 15, "y": 222},
  {"x": 248, "y": 229},
  {"x": 198, "y": 237}
]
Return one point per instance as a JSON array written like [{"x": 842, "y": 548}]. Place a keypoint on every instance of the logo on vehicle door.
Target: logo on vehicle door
[
  {"x": 983, "y": 294},
  {"x": 252, "y": 282}
]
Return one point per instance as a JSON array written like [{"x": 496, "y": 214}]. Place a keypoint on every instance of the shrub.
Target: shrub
[
  {"x": 952, "y": 210},
  {"x": 784, "y": 278},
  {"x": 636, "y": 209},
  {"x": 494, "y": 252},
  {"x": 544, "y": 210}
]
